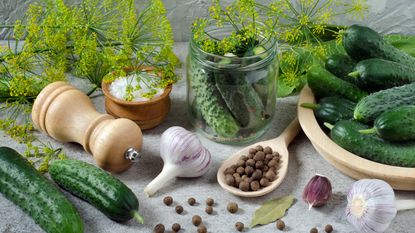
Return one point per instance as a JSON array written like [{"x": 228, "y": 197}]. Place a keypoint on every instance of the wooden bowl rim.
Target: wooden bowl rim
[
  {"x": 317, "y": 136},
  {"x": 107, "y": 93}
]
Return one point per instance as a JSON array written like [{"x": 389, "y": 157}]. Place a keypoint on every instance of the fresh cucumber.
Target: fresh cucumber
[
  {"x": 324, "y": 83},
  {"x": 210, "y": 102},
  {"x": 332, "y": 109},
  {"x": 22, "y": 184},
  {"x": 98, "y": 187},
  {"x": 346, "y": 134},
  {"x": 370, "y": 107},
  {"x": 397, "y": 124},
  {"x": 340, "y": 65},
  {"x": 362, "y": 43},
  {"x": 377, "y": 74}
]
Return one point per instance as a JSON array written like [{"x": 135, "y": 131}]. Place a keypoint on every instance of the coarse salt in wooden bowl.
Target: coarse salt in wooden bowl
[{"x": 400, "y": 178}]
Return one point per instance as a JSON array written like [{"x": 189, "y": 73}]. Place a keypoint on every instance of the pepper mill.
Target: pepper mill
[{"x": 67, "y": 114}]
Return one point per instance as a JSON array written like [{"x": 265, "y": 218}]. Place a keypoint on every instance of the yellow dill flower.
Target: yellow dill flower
[
  {"x": 358, "y": 8},
  {"x": 304, "y": 19}
]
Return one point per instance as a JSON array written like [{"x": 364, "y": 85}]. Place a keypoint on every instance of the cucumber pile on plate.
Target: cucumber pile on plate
[{"x": 367, "y": 98}]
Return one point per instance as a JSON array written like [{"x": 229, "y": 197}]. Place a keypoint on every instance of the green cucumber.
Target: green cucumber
[
  {"x": 210, "y": 102},
  {"x": 22, "y": 184},
  {"x": 332, "y": 109},
  {"x": 324, "y": 83},
  {"x": 98, "y": 187},
  {"x": 346, "y": 134},
  {"x": 362, "y": 43},
  {"x": 377, "y": 74},
  {"x": 240, "y": 98},
  {"x": 397, "y": 124},
  {"x": 340, "y": 65},
  {"x": 370, "y": 107}
]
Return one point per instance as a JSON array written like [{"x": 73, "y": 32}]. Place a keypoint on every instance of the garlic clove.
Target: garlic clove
[{"x": 317, "y": 191}]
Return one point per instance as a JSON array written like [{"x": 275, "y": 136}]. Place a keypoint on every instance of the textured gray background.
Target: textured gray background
[
  {"x": 386, "y": 16},
  {"x": 303, "y": 164}
]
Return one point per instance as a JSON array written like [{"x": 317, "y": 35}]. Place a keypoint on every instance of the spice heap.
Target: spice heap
[{"x": 255, "y": 170}]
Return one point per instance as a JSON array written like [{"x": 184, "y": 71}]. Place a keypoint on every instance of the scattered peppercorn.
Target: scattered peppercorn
[
  {"x": 232, "y": 207},
  {"x": 191, "y": 201},
  {"x": 159, "y": 228},
  {"x": 239, "y": 226},
  {"x": 179, "y": 209},
  {"x": 196, "y": 220},
  {"x": 210, "y": 201},
  {"x": 328, "y": 228},
  {"x": 168, "y": 200},
  {"x": 176, "y": 227},
  {"x": 202, "y": 229},
  {"x": 313, "y": 230},
  {"x": 280, "y": 224},
  {"x": 209, "y": 209}
]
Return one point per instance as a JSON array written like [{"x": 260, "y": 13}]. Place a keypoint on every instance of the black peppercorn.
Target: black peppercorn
[
  {"x": 179, "y": 209},
  {"x": 176, "y": 227},
  {"x": 280, "y": 224},
  {"x": 209, "y": 210},
  {"x": 232, "y": 207},
  {"x": 196, "y": 220},
  {"x": 313, "y": 230},
  {"x": 191, "y": 201},
  {"x": 168, "y": 200},
  {"x": 239, "y": 226},
  {"x": 210, "y": 201},
  {"x": 159, "y": 228},
  {"x": 328, "y": 228}
]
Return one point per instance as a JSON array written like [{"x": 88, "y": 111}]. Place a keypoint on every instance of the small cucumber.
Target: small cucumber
[
  {"x": 332, "y": 109},
  {"x": 340, "y": 65},
  {"x": 210, "y": 102},
  {"x": 397, "y": 124},
  {"x": 377, "y": 74},
  {"x": 370, "y": 107},
  {"x": 22, "y": 184},
  {"x": 362, "y": 43},
  {"x": 98, "y": 187},
  {"x": 346, "y": 134},
  {"x": 324, "y": 83},
  {"x": 240, "y": 97}
]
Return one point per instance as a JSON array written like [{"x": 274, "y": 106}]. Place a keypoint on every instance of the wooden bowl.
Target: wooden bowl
[
  {"x": 399, "y": 178},
  {"x": 147, "y": 114}
]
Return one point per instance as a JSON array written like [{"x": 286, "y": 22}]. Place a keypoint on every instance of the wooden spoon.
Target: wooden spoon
[{"x": 278, "y": 144}]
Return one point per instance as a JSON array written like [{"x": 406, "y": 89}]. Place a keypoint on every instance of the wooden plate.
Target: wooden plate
[{"x": 399, "y": 178}]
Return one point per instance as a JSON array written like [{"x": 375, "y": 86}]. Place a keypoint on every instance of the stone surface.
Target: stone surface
[
  {"x": 304, "y": 163},
  {"x": 386, "y": 16}
]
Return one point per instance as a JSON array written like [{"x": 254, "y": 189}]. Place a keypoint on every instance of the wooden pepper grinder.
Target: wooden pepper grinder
[{"x": 67, "y": 114}]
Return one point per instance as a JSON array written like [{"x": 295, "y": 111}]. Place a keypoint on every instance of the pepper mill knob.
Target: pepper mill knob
[{"x": 67, "y": 114}]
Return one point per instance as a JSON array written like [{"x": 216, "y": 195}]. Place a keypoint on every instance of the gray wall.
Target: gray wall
[{"x": 387, "y": 16}]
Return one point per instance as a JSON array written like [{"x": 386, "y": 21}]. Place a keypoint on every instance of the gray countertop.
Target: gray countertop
[{"x": 303, "y": 164}]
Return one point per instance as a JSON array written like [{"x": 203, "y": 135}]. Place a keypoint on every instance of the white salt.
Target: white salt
[{"x": 146, "y": 82}]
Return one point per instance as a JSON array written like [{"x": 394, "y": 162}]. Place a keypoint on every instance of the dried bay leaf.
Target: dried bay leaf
[{"x": 272, "y": 210}]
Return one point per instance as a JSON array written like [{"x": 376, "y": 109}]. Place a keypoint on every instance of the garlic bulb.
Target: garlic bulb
[
  {"x": 371, "y": 205},
  {"x": 183, "y": 156}
]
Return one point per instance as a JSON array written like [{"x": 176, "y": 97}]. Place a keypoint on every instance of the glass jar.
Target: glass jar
[{"x": 231, "y": 99}]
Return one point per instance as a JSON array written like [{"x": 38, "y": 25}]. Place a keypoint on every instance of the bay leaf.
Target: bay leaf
[{"x": 272, "y": 210}]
